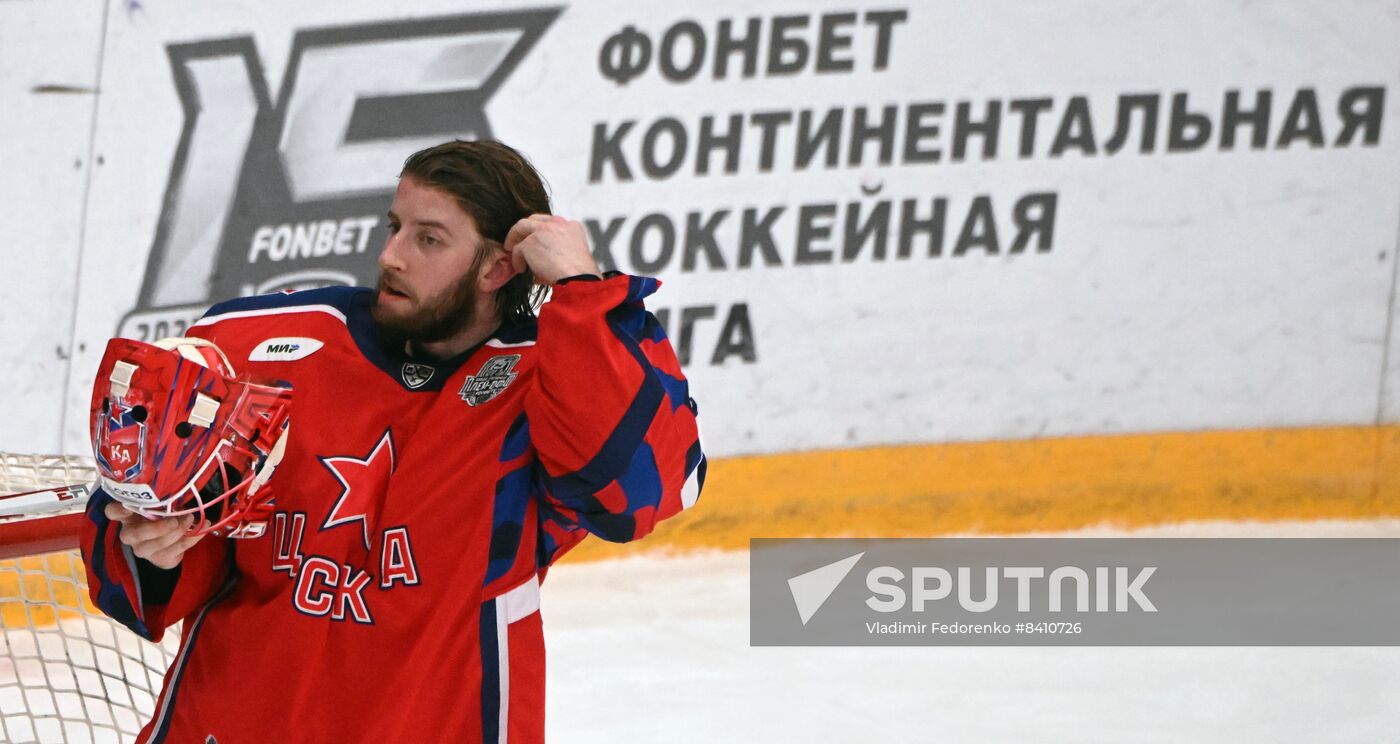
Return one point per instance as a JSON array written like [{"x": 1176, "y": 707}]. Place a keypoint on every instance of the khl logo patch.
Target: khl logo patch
[
  {"x": 495, "y": 375},
  {"x": 416, "y": 375}
]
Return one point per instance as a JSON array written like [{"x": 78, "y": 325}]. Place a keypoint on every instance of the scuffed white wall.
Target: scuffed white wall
[
  {"x": 1185, "y": 287},
  {"x": 48, "y": 96}
]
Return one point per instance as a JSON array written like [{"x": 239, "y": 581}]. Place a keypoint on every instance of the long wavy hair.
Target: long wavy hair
[{"x": 498, "y": 187}]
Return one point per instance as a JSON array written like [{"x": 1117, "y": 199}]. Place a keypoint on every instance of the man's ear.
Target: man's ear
[{"x": 498, "y": 270}]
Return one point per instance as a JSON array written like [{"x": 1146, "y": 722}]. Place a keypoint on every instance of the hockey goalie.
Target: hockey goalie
[{"x": 350, "y": 495}]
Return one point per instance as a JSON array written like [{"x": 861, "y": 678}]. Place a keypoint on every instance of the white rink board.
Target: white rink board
[
  {"x": 1390, "y": 386},
  {"x": 1183, "y": 290},
  {"x": 48, "y": 73}
]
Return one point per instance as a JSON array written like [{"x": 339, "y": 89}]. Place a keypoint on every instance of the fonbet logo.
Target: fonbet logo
[
  {"x": 1112, "y": 588},
  {"x": 282, "y": 188}
]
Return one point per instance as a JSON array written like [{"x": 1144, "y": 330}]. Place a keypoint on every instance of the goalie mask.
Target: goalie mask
[{"x": 175, "y": 432}]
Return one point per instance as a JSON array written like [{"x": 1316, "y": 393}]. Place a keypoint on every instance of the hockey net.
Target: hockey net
[{"x": 67, "y": 672}]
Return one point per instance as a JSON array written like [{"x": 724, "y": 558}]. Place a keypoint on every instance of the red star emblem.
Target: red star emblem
[{"x": 363, "y": 480}]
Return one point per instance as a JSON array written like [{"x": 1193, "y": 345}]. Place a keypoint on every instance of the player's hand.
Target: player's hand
[
  {"x": 162, "y": 542},
  {"x": 551, "y": 246}
]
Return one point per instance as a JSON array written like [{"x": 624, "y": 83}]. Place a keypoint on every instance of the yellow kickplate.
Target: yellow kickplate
[{"x": 1039, "y": 485}]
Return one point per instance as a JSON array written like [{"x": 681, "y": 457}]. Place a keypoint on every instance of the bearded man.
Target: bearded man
[{"x": 445, "y": 447}]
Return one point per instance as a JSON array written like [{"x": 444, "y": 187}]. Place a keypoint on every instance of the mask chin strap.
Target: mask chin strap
[
  {"x": 257, "y": 525},
  {"x": 270, "y": 463},
  {"x": 185, "y": 347}
]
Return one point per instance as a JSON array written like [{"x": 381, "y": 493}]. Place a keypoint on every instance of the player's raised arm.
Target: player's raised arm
[{"x": 610, "y": 413}]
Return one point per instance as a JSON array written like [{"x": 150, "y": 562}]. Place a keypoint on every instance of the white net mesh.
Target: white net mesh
[
  {"x": 29, "y": 472},
  {"x": 67, "y": 673}
]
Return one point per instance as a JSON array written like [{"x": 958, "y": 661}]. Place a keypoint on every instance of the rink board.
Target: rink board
[{"x": 1050, "y": 484}]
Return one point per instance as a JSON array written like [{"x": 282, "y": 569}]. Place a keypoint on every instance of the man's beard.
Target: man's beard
[{"x": 431, "y": 322}]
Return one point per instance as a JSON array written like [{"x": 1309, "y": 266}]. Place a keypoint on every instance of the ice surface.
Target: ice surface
[{"x": 656, "y": 649}]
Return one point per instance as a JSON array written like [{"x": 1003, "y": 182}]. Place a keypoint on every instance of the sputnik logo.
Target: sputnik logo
[{"x": 811, "y": 590}]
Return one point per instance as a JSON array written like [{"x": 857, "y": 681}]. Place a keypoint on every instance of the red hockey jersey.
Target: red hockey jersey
[{"x": 395, "y": 596}]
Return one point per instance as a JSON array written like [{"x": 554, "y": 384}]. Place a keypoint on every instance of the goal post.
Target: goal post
[{"x": 67, "y": 672}]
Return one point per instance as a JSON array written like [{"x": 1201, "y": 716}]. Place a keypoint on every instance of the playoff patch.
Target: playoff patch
[{"x": 495, "y": 375}]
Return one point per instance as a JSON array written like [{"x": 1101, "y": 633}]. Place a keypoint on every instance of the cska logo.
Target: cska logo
[
  {"x": 124, "y": 443},
  {"x": 334, "y": 588},
  {"x": 120, "y": 454},
  {"x": 363, "y": 482}
]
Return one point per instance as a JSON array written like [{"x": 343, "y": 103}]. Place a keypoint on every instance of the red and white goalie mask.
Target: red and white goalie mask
[{"x": 176, "y": 432}]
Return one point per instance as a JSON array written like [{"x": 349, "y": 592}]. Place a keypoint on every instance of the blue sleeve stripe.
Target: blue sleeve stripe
[
  {"x": 162, "y": 716},
  {"x": 111, "y": 597},
  {"x": 517, "y": 439},
  {"x": 677, "y": 389},
  {"x": 641, "y": 325},
  {"x": 507, "y": 521},
  {"x": 641, "y": 482},
  {"x": 652, "y": 329},
  {"x": 616, "y": 453},
  {"x": 490, "y": 673},
  {"x": 630, "y": 320},
  {"x": 639, "y": 287},
  {"x": 694, "y": 458}
]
